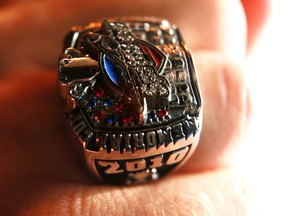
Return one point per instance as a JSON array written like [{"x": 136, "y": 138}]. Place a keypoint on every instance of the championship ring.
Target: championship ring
[{"x": 131, "y": 98}]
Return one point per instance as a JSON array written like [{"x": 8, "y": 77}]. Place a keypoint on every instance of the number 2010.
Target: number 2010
[{"x": 113, "y": 167}]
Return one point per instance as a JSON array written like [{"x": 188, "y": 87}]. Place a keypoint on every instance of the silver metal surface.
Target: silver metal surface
[{"x": 131, "y": 98}]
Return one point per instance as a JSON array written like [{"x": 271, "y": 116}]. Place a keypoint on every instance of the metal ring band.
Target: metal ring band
[{"x": 131, "y": 98}]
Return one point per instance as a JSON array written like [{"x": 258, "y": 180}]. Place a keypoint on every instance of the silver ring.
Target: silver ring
[{"x": 131, "y": 98}]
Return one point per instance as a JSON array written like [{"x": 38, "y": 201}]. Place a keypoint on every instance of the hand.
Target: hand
[{"x": 41, "y": 173}]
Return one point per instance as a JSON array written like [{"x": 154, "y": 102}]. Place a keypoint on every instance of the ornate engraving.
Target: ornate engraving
[{"x": 131, "y": 97}]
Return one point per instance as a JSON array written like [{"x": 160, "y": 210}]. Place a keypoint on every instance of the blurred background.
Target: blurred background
[{"x": 267, "y": 157}]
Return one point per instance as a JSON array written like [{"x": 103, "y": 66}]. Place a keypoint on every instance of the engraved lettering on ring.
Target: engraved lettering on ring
[{"x": 131, "y": 97}]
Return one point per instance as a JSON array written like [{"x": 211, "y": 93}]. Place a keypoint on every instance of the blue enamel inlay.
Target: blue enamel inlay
[{"x": 112, "y": 70}]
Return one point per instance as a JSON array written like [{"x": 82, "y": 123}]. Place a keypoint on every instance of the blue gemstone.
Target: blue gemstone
[
  {"x": 112, "y": 119},
  {"x": 107, "y": 102},
  {"x": 92, "y": 104},
  {"x": 152, "y": 115}
]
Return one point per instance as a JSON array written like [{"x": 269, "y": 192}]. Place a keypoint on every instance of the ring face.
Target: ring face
[{"x": 131, "y": 98}]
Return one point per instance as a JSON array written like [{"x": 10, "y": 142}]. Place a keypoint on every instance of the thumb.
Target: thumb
[{"x": 226, "y": 110}]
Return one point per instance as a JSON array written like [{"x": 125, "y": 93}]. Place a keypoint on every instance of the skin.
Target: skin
[{"x": 42, "y": 174}]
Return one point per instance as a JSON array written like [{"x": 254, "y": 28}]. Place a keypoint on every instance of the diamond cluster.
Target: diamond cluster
[{"x": 149, "y": 82}]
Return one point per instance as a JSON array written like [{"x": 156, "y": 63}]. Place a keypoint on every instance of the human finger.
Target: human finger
[
  {"x": 32, "y": 31},
  {"x": 226, "y": 111},
  {"x": 38, "y": 159}
]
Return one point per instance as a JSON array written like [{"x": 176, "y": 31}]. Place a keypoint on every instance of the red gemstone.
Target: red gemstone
[
  {"x": 118, "y": 107},
  {"x": 131, "y": 118},
  {"x": 161, "y": 113},
  {"x": 98, "y": 115},
  {"x": 99, "y": 93},
  {"x": 124, "y": 119}
]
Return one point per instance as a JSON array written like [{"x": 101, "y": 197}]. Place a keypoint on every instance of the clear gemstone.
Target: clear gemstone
[
  {"x": 163, "y": 92},
  {"x": 181, "y": 76}
]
